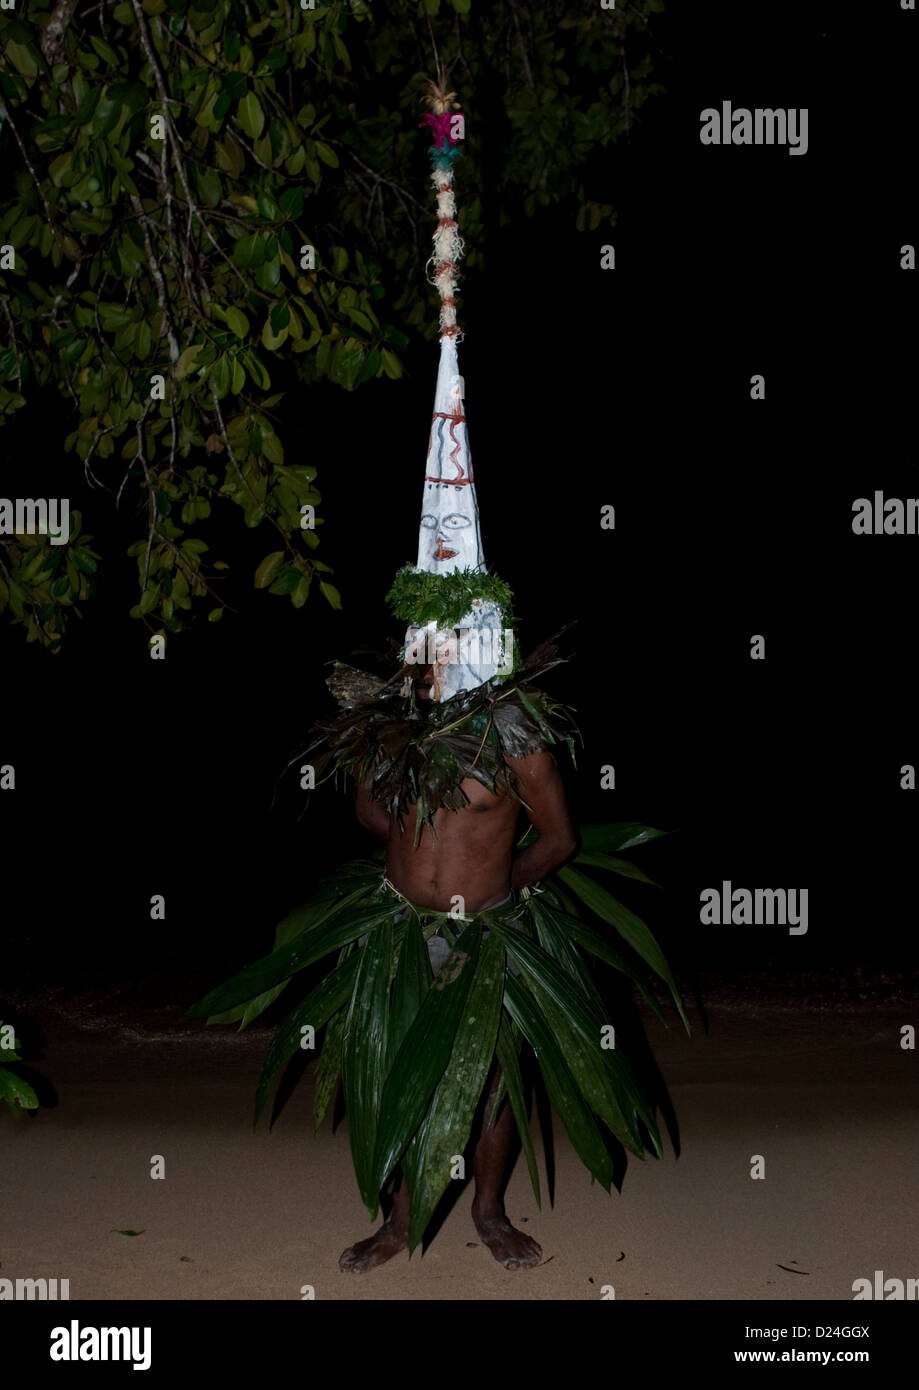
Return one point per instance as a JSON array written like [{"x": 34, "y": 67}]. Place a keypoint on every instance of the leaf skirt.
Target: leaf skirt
[{"x": 413, "y": 1051}]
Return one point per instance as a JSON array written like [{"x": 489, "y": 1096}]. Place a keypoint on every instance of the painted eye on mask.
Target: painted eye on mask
[{"x": 455, "y": 522}]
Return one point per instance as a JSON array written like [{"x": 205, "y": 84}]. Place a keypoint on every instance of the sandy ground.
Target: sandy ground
[{"x": 820, "y": 1088}]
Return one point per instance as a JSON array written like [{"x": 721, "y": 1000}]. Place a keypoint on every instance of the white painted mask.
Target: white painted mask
[{"x": 449, "y": 540}]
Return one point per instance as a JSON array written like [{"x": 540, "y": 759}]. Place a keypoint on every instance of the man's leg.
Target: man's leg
[
  {"x": 386, "y": 1242},
  {"x": 509, "y": 1246}
]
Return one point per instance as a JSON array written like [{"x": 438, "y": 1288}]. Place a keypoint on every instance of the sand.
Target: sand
[{"x": 820, "y": 1089}]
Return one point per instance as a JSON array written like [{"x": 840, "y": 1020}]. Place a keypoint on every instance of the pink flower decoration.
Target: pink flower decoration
[{"x": 440, "y": 126}]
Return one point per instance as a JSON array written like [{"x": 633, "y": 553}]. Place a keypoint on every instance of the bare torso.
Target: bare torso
[{"x": 468, "y": 855}]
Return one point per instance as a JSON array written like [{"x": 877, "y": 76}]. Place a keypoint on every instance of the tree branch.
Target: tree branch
[
  {"x": 176, "y": 142},
  {"x": 52, "y": 39},
  {"x": 158, "y": 280},
  {"x": 523, "y": 49},
  {"x": 7, "y": 116},
  {"x": 12, "y": 327}
]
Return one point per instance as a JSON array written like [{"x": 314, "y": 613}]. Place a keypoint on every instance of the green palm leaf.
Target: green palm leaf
[
  {"x": 424, "y": 1053},
  {"x": 501, "y": 1092},
  {"x": 287, "y": 930},
  {"x": 513, "y": 1081},
  {"x": 554, "y": 893},
  {"x": 598, "y": 946},
  {"x": 448, "y": 1123},
  {"x": 245, "y": 1013},
  {"x": 363, "y": 1055},
  {"x": 319, "y": 1006},
  {"x": 328, "y": 1068},
  {"x": 631, "y": 928},
  {"x": 352, "y": 917},
  {"x": 496, "y": 1100},
  {"x": 552, "y": 937},
  {"x": 347, "y": 877},
  {"x": 577, "y": 1030},
  {"x": 563, "y": 1092},
  {"x": 411, "y": 984},
  {"x": 594, "y": 859},
  {"x": 618, "y": 836}
]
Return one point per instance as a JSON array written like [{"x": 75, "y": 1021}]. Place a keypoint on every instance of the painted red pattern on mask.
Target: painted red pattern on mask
[{"x": 462, "y": 479}]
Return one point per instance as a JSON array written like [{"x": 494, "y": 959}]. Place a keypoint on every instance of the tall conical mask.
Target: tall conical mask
[{"x": 465, "y": 651}]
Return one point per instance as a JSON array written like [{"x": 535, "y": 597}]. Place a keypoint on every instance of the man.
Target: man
[
  {"x": 452, "y": 758},
  {"x": 469, "y": 856}
]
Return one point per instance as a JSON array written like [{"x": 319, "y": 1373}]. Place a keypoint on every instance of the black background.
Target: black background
[{"x": 733, "y": 517}]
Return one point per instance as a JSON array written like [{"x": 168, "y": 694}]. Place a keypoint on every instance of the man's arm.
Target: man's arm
[
  {"x": 540, "y": 785},
  {"x": 371, "y": 814}
]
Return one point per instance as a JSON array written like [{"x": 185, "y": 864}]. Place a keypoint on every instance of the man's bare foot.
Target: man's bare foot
[
  {"x": 509, "y": 1246},
  {"x": 376, "y": 1250}
]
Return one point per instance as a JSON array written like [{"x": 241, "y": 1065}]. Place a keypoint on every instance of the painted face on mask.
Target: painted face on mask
[{"x": 449, "y": 530}]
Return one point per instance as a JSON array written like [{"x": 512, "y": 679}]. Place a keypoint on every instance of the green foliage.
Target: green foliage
[
  {"x": 41, "y": 583},
  {"x": 414, "y": 1053},
  {"x": 168, "y": 168},
  {"x": 420, "y": 598},
  {"x": 17, "y": 1094}
]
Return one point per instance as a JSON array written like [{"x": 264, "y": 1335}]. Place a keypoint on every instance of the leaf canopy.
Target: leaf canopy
[{"x": 209, "y": 208}]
